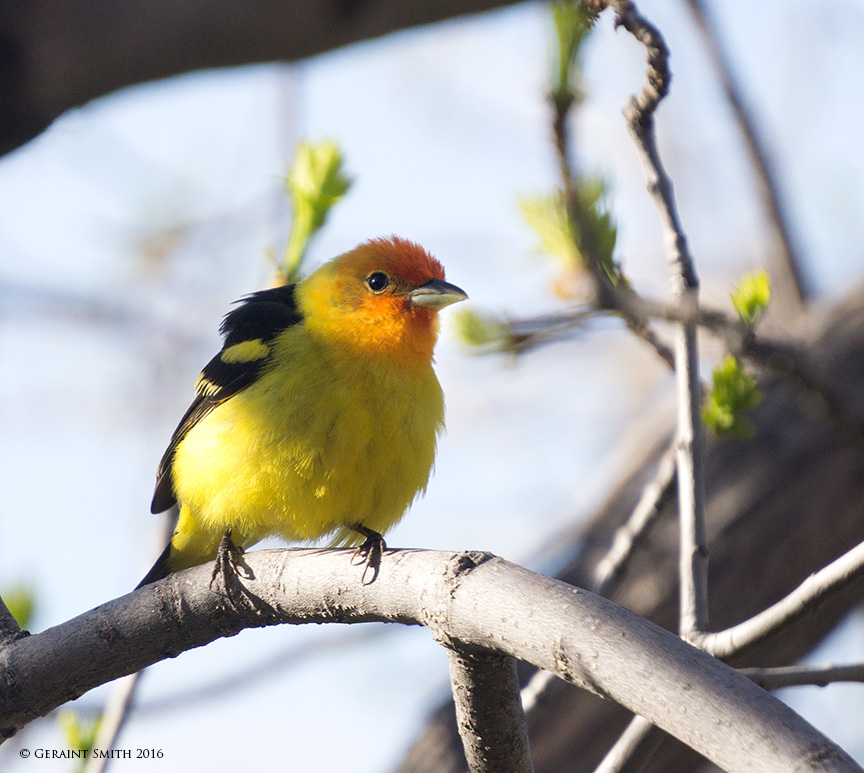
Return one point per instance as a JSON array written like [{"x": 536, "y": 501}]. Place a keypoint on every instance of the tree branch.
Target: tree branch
[
  {"x": 473, "y": 599},
  {"x": 9, "y": 628},
  {"x": 116, "y": 713},
  {"x": 60, "y": 56},
  {"x": 488, "y": 712},
  {"x": 799, "y": 676},
  {"x": 655, "y": 495},
  {"x": 640, "y": 740},
  {"x": 786, "y": 263},
  {"x": 611, "y": 567},
  {"x": 801, "y": 601},
  {"x": 769, "y": 355},
  {"x": 639, "y": 113}
]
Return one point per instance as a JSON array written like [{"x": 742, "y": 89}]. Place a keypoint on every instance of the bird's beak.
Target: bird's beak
[{"x": 436, "y": 294}]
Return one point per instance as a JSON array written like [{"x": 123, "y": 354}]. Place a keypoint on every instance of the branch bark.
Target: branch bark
[
  {"x": 9, "y": 628},
  {"x": 611, "y": 568},
  {"x": 488, "y": 711},
  {"x": 472, "y": 599}
]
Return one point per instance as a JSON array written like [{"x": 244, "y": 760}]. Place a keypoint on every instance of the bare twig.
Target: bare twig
[
  {"x": 525, "y": 334},
  {"x": 609, "y": 570},
  {"x": 113, "y": 718},
  {"x": 768, "y": 355},
  {"x": 633, "y": 747},
  {"x": 739, "y": 638},
  {"x": 488, "y": 712},
  {"x": 604, "y": 291},
  {"x": 639, "y": 113},
  {"x": 641, "y": 329},
  {"x": 799, "y": 676},
  {"x": 693, "y": 551},
  {"x": 536, "y": 690},
  {"x": 786, "y": 271}
]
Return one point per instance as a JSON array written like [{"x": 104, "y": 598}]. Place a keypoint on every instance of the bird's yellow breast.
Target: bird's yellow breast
[{"x": 319, "y": 442}]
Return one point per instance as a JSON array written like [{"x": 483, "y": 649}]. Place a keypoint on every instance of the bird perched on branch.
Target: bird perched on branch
[{"x": 320, "y": 415}]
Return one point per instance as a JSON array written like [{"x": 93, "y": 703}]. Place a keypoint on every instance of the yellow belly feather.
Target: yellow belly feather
[{"x": 316, "y": 444}]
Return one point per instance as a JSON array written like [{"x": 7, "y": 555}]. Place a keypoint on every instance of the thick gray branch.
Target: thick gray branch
[
  {"x": 472, "y": 599},
  {"x": 488, "y": 712}
]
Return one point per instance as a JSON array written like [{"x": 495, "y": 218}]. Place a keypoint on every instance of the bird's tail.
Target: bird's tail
[{"x": 159, "y": 570}]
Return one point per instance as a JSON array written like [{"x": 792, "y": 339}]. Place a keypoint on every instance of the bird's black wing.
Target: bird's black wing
[{"x": 259, "y": 318}]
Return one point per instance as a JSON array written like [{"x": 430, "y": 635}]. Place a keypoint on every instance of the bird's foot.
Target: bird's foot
[
  {"x": 370, "y": 552},
  {"x": 228, "y": 558}
]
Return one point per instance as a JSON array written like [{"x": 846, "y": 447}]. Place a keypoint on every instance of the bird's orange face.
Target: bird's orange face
[{"x": 380, "y": 299}]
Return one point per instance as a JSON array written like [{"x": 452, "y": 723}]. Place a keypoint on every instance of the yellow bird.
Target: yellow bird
[{"x": 320, "y": 415}]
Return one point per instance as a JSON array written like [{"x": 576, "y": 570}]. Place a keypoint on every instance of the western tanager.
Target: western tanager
[{"x": 320, "y": 415}]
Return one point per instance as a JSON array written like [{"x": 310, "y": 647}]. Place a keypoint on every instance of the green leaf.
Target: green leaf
[
  {"x": 476, "y": 330},
  {"x": 558, "y": 234},
  {"x": 751, "y": 296},
  {"x": 733, "y": 392},
  {"x": 572, "y": 23},
  {"x": 547, "y": 217},
  {"x": 21, "y": 602},
  {"x": 80, "y": 734},
  {"x": 315, "y": 182}
]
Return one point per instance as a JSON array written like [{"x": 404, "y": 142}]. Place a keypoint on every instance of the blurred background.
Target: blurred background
[{"x": 132, "y": 223}]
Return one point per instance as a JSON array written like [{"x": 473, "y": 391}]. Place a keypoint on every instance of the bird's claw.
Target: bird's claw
[
  {"x": 369, "y": 553},
  {"x": 229, "y": 557}
]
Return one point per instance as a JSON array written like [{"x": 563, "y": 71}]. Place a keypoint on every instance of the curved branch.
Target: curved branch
[
  {"x": 59, "y": 56},
  {"x": 471, "y": 599}
]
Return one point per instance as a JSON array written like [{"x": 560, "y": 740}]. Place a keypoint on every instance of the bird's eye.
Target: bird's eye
[{"x": 377, "y": 281}]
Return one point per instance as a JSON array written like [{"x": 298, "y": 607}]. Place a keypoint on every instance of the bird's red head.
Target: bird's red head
[
  {"x": 400, "y": 257},
  {"x": 379, "y": 299}
]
